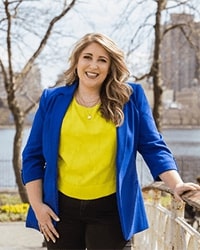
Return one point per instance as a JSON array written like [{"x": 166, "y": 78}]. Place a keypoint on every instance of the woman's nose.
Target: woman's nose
[{"x": 93, "y": 64}]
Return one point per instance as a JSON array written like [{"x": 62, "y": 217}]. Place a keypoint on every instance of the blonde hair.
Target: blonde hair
[{"x": 115, "y": 92}]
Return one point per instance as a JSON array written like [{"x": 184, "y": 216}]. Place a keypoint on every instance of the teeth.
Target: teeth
[{"x": 92, "y": 75}]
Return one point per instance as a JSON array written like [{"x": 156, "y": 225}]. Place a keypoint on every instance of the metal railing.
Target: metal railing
[
  {"x": 7, "y": 177},
  {"x": 169, "y": 229}
]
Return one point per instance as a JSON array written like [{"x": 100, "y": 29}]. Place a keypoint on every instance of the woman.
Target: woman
[{"x": 79, "y": 164}]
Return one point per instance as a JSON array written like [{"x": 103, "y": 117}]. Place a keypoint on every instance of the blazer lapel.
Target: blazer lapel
[{"x": 59, "y": 108}]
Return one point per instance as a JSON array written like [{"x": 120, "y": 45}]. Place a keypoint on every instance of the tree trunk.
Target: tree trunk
[
  {"x": 18, "y": 116},
  {"x": 17, "y": 163},
  {"x": 155, "y": 70}
]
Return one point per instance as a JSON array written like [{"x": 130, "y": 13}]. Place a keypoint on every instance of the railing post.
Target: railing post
[
  {"x": 177, "y": 238},
  {"x": 178, "y": 208},
  {"x": 155, "y": 223}
]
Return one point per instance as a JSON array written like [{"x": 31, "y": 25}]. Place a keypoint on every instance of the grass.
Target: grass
[{"x": 11, "y": 207}]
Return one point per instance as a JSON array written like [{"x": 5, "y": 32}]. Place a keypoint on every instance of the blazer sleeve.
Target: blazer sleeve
[
  {"x": 151, "y": 144},
  {"x": 33, "y": 162}
]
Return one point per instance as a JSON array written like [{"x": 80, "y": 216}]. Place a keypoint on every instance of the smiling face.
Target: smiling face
[{"x": 93, "y": 66}]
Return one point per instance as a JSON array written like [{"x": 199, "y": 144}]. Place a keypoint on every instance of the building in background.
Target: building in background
[
  {"x": 180, "y": 70},
  {"x": 180, "y": 53}
]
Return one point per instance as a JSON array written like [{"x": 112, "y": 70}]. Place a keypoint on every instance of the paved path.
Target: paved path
[{"x": 15, "y": 236}]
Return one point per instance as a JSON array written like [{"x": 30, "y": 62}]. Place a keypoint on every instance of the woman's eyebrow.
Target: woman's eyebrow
[
  {"x": 105, "y": 57},
  {"x": 87, "y": 53},
  {"x": 90, "y": 54}
]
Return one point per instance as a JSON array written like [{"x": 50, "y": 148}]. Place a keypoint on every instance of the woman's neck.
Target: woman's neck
[{"x": 87, "y": 98}]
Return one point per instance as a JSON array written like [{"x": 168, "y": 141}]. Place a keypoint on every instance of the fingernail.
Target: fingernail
[{"x": 57, "y": 219}]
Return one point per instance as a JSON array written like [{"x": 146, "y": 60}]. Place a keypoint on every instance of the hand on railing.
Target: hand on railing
[
  {"x": 190, "y": 196},
  {"x": 181, "y": 188},
  {"x": 169, "y": 228}
]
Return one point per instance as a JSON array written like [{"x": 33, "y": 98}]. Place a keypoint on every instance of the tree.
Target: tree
[
  {"x": 13, "y": 13},
  {"x": 151, "y": 19},
  {"x": 155, "y": 70}
]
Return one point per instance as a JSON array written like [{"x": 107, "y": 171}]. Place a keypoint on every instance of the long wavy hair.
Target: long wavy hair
[{"x": 115, "y": 92}]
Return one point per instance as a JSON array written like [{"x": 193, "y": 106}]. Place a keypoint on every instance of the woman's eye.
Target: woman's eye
[
  {"x": 102, "y": 60},
  {"x": 87, "y": 57}
]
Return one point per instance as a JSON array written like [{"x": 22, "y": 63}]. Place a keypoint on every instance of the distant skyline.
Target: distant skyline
[{"x": 118, "y": 19}]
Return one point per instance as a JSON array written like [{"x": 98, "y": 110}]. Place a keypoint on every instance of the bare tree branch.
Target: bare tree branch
[
  {"x": 172, "y": 27},
  {"x": 30, "y": 107},
  {"x": 145, "y": 76},
  {"x": 3, "y": 70},
  {"x": 43, "y": 42},
  {"x": 190, "y": 40},
  {"x": 9, "y": 86}
]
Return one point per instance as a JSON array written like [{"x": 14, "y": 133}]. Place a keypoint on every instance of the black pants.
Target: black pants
[{"x": 88, "y": 224}]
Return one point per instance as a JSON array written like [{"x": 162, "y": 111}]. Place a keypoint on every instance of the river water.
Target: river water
[{"x": 182, "y": 142}]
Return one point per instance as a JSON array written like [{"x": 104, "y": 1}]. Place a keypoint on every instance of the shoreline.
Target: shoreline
[{"x": 165, "y": 127}]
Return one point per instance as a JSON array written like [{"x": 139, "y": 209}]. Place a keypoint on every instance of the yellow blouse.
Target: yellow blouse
[{"x": 87, "y": 152}]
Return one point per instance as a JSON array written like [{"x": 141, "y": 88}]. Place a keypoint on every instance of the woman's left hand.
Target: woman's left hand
[{"x": 180, "y": 188}]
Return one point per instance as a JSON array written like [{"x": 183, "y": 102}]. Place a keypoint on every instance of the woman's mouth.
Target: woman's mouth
[{"x": 91, "y": 75}]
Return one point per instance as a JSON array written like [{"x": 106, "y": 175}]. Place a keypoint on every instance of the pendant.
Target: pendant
[{"x": 89, "y": 117}]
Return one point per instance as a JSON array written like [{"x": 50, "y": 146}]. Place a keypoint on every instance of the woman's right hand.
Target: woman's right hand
[{"x": 45, "y": 216}]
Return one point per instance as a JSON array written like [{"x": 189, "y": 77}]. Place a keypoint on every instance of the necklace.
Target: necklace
[
  {"x": 89, "y": 106},
  {"x": 90, "y": 112},
  {"x": 89, "y": 116},
  {"x": 87, "y": 103}
]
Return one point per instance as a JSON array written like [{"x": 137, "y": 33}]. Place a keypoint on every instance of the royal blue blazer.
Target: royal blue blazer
[{"x": 138, "y": 133}]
